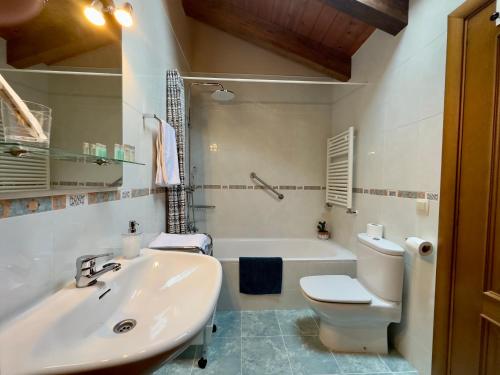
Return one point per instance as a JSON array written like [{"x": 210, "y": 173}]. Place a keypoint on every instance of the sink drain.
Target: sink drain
[{"x": 124, "y": 326}]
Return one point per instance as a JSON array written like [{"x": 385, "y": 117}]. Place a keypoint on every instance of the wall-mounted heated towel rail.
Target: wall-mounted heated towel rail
[
  {"x": 254, "y": 176},
  {"x": 339, "y": 169}
]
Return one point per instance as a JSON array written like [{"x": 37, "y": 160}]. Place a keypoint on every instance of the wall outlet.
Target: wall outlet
[{"x": 423, "y": 207}]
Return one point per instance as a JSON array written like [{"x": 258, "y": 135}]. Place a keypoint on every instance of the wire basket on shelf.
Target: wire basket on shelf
[{"x": 13, "y": 129}]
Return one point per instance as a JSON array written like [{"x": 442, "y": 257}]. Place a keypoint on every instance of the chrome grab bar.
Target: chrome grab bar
[{"x": 266, "y": 185}]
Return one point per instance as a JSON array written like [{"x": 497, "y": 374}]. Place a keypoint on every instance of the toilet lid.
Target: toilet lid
[{"x": 335, "y": 288}]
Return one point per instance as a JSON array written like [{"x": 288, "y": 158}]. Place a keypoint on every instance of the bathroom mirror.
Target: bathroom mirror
[{"x": 60, "y": 60}]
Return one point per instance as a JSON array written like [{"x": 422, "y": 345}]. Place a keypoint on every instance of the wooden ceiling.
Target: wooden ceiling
[
  {"x": 323, "y": 34},
  {"x": 60, "y": 31}
]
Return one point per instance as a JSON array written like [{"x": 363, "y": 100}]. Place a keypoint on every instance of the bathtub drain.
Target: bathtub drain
[{"x": 124, "y": 326}]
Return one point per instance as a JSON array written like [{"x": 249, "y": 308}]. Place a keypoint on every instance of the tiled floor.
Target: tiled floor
[{"x": 278, "y": 342}]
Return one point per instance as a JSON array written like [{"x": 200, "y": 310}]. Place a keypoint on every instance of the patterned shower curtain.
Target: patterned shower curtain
[{"x": 176, "y": 195}]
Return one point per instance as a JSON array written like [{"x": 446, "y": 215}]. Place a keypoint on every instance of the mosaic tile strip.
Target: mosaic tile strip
[
  {"x": 158, "y": 190},
  {"x": 75, "y": 200},
  {"x": 411, "y": 194},
  {"x": 136, "y": 193},
  {"x": 126, "y": 194},
  {"x": 311, "y": 187},
  {"x": 382, "y": 192},
  {"x": 24, "y": 206},
  {"x": 66, "y": 183},
  {"x": 432, "y": 196},
  {"x": 398, "y": 193},
  {"x": 58, "y": 202},
  {"x": 103, "y": 196}
]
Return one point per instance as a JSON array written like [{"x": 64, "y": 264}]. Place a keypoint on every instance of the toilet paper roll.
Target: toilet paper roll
[
  {"x": 423, "y": 247},
  {"x": 375, "y": 230}
]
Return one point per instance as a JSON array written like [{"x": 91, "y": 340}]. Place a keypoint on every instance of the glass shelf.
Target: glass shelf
[{"x": 28, "y": 149}]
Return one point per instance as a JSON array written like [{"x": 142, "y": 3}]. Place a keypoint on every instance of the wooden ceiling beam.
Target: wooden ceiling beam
[
  {"x": 388, "y": 15},
  {"x": 270, "y": 36}
]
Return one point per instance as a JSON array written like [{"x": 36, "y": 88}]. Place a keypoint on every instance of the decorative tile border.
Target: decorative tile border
[
  {"x": 25, "y": 206},
  {"x": 315, "y": 188},
  {"x": 136, "y": 193},
  {"x": 409, "y": 194},
  {"x": 382, "y": 192},
  {"x": 76, "y": 200}
]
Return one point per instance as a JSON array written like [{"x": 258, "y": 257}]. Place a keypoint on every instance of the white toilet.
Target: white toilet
[{"x": 355, "y": 313}]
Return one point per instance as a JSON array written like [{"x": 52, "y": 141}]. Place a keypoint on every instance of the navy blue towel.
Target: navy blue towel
[{"x": 261, "y": 275}]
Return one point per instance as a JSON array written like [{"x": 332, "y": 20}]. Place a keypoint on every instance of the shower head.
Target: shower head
[{"x": 223, "y": 95}]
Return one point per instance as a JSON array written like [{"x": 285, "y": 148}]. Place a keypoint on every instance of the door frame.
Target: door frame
[{"x": 449, "y": 191}]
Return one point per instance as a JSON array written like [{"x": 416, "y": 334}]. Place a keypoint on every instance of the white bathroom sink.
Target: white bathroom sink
[{"x": 170, "y": 295}]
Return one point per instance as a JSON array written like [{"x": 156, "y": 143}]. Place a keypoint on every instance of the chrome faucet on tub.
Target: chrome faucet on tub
[{"x": 86, "y": 274}]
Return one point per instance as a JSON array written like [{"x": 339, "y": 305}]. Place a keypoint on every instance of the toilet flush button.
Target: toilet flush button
[{"x": 423, "y": 207}]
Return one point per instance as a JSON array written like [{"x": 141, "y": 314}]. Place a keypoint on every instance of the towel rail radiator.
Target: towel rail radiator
[
  {"x": 339, "y": 169},
  {"x": 254, "y": 176}
]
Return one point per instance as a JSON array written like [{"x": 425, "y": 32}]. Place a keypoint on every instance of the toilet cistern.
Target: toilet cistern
[{"x": 86, "y": 274}]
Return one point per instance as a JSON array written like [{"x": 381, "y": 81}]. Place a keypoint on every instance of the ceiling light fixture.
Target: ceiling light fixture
[
  {"x": 123, "y": 14},
  {"x": 95, "y": 12}
]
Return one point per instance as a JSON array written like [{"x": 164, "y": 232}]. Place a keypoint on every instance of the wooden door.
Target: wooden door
[{"x": 474, "y": 298}]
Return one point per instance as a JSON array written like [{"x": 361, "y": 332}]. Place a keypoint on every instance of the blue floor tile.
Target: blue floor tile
[
  {"x": 278, "y": 342},
  {"x": 259, "y": 323},
  {"x": 224, "y": 357},
  {"x": 396, "y": 362},
  {"x": 228, "y": 324},
  {"x": 308, "y": 356},
  {"x": 264, "y": 356},
  {"x": 360, "y": 363},
  {"x": 182, "y": 365},
  {"x": 297, "y": 322}
]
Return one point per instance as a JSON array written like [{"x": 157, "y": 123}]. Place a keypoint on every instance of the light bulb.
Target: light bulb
[
  {"x": 94, "y": 13},
  {"x": 123, "y": 15}
]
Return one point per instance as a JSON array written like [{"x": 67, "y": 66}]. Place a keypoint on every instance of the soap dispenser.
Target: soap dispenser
[{"x": 132, "y": 241}]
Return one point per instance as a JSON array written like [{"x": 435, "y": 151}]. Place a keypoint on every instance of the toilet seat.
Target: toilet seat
[{"x": 335, "y": 289}]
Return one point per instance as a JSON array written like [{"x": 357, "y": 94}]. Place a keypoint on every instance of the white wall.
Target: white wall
[
  {"x": 276, "y": 131},
  {"x": 38, "y": 251},
  {"x": 398, "y": 119}
]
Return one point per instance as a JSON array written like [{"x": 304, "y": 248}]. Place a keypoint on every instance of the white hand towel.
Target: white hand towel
[
  {"x": 167, "y": 163},
  {"x": 168, "y": 240}
]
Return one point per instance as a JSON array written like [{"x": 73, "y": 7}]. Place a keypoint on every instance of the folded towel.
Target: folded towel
[
  {"x": 261, "y": 275},
  {"x": 172, "y": 241},
  {"x": 167, "y": 163}
]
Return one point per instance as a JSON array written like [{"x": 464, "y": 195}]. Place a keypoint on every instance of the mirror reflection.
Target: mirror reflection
[{"x": 75, "y": 79}]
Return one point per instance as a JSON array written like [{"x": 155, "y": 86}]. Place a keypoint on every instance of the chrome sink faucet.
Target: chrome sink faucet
[{"x": 86, "y": 274}]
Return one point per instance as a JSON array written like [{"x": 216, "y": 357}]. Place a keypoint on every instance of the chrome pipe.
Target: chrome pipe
[{"x": 266, "y": 185}]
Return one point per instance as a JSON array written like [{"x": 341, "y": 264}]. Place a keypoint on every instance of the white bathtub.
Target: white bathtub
[{"x": 301, "y": 257}]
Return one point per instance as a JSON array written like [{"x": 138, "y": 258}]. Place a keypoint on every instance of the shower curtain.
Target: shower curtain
[{"x": 176, "y": 114}]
